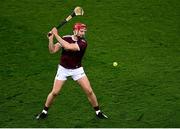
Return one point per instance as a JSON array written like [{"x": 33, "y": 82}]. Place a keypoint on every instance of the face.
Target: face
[{"x": 80, "y": 33}]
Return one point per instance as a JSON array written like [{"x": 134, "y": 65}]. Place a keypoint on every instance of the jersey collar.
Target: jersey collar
[{"x": 73, "y": 38}]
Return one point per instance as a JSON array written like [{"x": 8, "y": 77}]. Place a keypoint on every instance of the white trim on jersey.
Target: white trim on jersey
[
  {"x": 67, "y": 36},
  {"x": 72, "y": 36}
]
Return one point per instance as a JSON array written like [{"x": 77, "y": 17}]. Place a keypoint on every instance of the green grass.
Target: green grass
[{"x": 142, "y": 36}]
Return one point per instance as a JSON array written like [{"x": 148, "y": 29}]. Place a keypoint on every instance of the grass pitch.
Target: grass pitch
[{"x": 142, "y": 36}]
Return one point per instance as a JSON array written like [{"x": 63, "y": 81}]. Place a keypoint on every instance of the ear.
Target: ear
[{"x": 75, "y": 32}]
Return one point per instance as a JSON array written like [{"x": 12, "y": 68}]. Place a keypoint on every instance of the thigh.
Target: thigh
[
  {"x": 57, "y": 85},
  {"x": 85, "y": 84}
]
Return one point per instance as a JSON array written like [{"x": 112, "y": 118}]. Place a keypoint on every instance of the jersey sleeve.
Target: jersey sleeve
[{"x": 65, "y": 38}]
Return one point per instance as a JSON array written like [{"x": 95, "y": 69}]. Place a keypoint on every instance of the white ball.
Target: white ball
[{"x": 115, "y": 64}]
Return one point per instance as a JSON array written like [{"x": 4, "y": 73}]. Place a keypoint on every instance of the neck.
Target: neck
[{"x": 75, "y": 37}]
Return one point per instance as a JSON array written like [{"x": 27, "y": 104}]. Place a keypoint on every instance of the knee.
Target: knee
[{"x": 54, "y": 93}]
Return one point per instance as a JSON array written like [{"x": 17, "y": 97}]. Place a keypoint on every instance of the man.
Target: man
[{"x": 73, "y": 49}]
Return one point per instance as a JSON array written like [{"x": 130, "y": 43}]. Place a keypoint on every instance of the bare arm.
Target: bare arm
[
  {"x": 65, "y": 44},
  {"x": 53, "y": 48}
]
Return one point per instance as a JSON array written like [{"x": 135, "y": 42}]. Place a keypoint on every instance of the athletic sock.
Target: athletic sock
[
  {"x": 97, "y": 110},
  {"x": 45, "y": 110}
]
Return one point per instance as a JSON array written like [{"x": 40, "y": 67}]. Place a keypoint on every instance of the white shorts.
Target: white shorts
[{"x": 63, "y": 73}]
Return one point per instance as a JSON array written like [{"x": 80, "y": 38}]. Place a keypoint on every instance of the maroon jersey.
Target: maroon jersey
[{"x": 72, "y": 59}]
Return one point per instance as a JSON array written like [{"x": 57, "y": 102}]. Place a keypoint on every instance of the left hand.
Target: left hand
[{"x": 54, "y": 30}]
